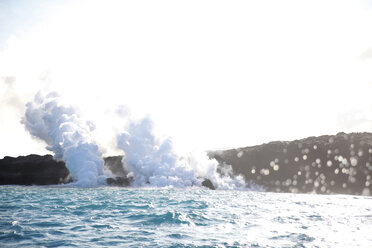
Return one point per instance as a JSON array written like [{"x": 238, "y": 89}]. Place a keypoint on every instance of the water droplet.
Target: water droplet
[
  {"x": 305, "y": 151},
  {"x": 336, "y": 171},
  {"x": 265, "y": 172},
  {"x": 315, "y": 147},
  {"x": 272, "y": 163},
  {"x": 323, "y": 189},
  {"x": 317, "y": 161},
  {"x": 352, "y": 179},
  {"x": 316, "y": 184},
  {"x": 353, "y": 161},
  {"x": 276, "y": 167},
  {"x": 304, "y": 157},
  {"x": 288, "y": 182},
  {"x": 240, "y": 154},
  {"x": 296, "y": 159},
  {"x": 340, "y": 158},
  {"x": 329, "y": 163},
  {"x": 360, "y": 153},
  {"x": 253, "y": 171}
]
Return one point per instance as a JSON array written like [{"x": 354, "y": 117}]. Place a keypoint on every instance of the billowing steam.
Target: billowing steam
[
  {"x": 152, "y": 161},
  {"x": 149, "y": 160},
  {"x": 67, "y": 136}
]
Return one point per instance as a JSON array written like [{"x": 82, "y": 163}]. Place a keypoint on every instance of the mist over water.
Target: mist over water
[{"x": 151, "y": 161}]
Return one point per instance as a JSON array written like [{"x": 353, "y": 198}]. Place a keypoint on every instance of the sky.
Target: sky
[{"x": 211, "y": 74}]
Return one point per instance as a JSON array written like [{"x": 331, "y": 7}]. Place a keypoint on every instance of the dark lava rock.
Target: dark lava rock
[
  {"x": 119, "y": 181},
  {"x": 339, "y": 163},
  {"x": 207, "y": 183},
  {"x": 115, "y": 165},
  {"x": 44, "y": 170},
  {"x": 33, "y": 170}
]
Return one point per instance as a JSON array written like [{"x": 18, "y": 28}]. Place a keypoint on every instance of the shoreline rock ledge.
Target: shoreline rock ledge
[
  {"x": 33, "y": 170},
  {"x": 328, "y": 164}
]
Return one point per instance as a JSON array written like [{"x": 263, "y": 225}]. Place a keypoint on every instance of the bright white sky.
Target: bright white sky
[{"x": 211, "y": 74}]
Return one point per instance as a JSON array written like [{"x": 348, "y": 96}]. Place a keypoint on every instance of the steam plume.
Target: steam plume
[
  {"x": 153, "y": 161},
  {"x": 67, "y": 136},
  {"x": 149, "y": 160}
]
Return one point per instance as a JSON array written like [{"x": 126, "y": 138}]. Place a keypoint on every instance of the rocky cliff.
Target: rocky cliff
[{"x": 339, "y": 163}]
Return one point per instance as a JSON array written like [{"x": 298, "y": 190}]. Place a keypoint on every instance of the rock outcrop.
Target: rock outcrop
[
  {"x": 44, "y": 170},
  {"x": 208, "y": 183},
  {"x": 119, "y": 181},
  {"x": 33, "y": 170},
  {"x": 339, "y": 163},
  {"x": 115, "y": 165}
]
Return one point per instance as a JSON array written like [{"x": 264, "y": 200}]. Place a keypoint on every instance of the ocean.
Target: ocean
[{"x": 61, "y": 216}]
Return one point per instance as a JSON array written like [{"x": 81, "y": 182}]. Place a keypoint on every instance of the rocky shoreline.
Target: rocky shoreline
[
  {"x": 326, "y": 164},
  {"x": 340, "y": 164}
]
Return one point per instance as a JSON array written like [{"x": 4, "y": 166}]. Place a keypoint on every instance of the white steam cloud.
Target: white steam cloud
[
  {"x": 67, "y": 136},
  {"x": 149, "y": 160},
  {"x": 153, "y": 162}
]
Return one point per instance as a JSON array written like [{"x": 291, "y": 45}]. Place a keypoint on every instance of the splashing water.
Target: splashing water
[
  {"x": 152, "y": 161},
  {"x": 67, "y": 135}
]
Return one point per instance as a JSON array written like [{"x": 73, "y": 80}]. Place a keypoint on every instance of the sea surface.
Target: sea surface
[{"x": 194, "y": 217}]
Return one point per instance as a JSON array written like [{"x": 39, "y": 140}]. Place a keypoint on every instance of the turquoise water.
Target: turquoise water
[{"x": 194, "y": 217}]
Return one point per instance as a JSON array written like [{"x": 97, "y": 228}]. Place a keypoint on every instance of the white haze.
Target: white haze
[{"x": 212, "y": 74}]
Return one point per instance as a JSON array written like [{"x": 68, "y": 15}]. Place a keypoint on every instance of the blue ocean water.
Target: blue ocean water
[{"x": 193, "y": 217}]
